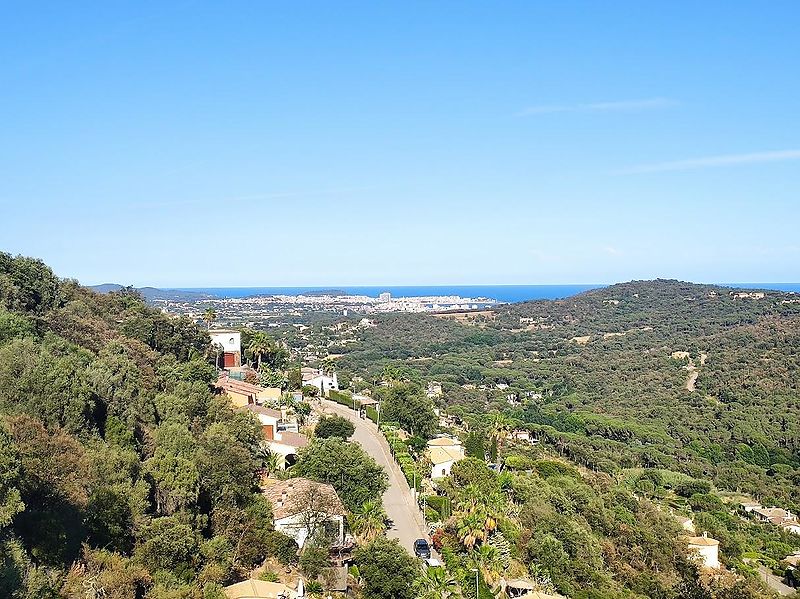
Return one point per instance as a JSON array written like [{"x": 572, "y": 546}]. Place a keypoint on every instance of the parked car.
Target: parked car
[{"x": 422, "y": 549}]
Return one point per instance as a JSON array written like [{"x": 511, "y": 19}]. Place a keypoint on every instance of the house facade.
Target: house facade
[
  {"x": 243, "y": 394},
  {"x": 443, "y": 453},
  {"x": 286, "y": 444},
  {"x": 231, "y": 342},
  {"x": 302, "y": 507},
  {"x": 317, "y": 378}
]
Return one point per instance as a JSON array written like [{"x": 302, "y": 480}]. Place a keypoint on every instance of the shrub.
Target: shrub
[
  {"x": 518, "y": 462},
  {"x": 334, "y": 426},
  {"x": 693, "y": 487},
  {"x": 282, "y": 547},
  {"x": 548, "y": 468},
  {"x": 439, "y": 504}
]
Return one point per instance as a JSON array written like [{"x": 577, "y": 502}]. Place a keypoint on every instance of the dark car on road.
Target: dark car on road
[{"x": 422, "y": 549}]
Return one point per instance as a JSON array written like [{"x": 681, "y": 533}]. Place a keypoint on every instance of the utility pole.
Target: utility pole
[{"x": 477, "y": 591}]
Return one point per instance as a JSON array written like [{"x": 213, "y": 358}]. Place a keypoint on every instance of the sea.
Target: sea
[{"x": 501, "y": 293}]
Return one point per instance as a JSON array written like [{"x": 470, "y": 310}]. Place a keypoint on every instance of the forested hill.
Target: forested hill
[
  {"x": 694, "y": 378},
  {"x": 118, "y": 467}
]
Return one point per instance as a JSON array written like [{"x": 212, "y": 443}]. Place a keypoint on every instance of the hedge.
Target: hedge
[{"x": 438, "y": 504}]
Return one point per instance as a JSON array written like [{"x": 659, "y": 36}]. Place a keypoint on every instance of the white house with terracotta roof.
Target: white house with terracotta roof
[
  {"x": 317, "y": 378},
  {"x": 242, "y": 393},
  {"x": 779, "y": 517},
  {"x": 286, "y": 444},
  {"x": 269, "y": 418},
  {"x": 443, "y": 452},
  {"x": 301, "y": 507}
]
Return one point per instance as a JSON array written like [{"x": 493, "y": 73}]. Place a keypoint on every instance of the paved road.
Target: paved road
[
  {"x": 775, "y": 583},
  {"x": 397, "y": 500}
]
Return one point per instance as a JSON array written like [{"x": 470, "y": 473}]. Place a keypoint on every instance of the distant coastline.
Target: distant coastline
[{"x": 501, "y": 293}]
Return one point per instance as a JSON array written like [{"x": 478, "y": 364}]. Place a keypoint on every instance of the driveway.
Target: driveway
[{"x": 407, "y": 524}]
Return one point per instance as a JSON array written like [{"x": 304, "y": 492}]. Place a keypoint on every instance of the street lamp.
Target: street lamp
[{"x": 477, "y": 591}]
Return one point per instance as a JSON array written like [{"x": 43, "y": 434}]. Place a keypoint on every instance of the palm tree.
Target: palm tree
[
  {"x": 487, "y": 559},
  {"x": 270, "y": 461},
  {"x": 368, "y": 521},
  {"x": 210, "y": 315},
  {"x": 260, "y": 344},
  {"x": 471, "y": 529},
  {"x": 500, "y": 426},
  {"x": 435, "y": 583}
]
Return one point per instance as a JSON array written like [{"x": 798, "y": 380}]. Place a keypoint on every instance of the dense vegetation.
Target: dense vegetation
[
  {"x": 119, "y": 469},
  {"x": 604, "y": 377}
]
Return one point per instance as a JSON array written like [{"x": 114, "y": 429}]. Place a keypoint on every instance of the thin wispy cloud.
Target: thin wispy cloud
[
  {"x": 712, "y": 162},
  {"x": 616, "y": 106}
]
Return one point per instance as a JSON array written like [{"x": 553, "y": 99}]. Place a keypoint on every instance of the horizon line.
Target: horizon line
[{"x": 323, "y": 287}]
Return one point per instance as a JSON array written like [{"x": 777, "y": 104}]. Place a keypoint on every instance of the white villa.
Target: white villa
[
  {"x": 443, "y": 452},
  {"x": 231, "y": 342},
  {"x": 273, "y": 422},
  {"x": 317, "y": 378},
  {"x": 301, "y": 507}
]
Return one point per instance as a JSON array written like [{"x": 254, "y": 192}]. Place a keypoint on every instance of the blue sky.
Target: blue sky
[{"x": 324, "y": 143}]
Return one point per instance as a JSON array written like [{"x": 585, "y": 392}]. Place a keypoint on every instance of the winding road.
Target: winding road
[{"x": 407, "y": 523}]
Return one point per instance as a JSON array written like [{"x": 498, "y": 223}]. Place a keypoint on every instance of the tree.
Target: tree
[
  {"x": 474, "y": 447},
  {"x": 28, "y": 285},
  {"x": 167, "y": 543},
  {"x": 10, "y": 498},
  {"x": 302, "y": 410},
  {"x": 500, "y": 426},
  {"x": 209, "y": 316},
  {"x": 263, "y": 349},
  {"x": 436, "y": 583},
  {"x": 315, "y": 557},
  {"x": 471, "y": 531},
  {"x": 352, "y": 472},
  {"x": 368, "y": 521},
  {"x": 294, "y": 379},
  {"x": 472, "y": 471},
  {"x": 387, "y": 570},
  {"x": 271, "y": 377},
  {"x": 487, "y": 559},
  {"x": 409, "y": 407},
  {"x": 269, "y": 460},
  {"x": 334, "y": 426}
]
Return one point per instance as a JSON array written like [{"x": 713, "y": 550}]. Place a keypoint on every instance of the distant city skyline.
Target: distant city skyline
[{"x": 325, "y": 144}]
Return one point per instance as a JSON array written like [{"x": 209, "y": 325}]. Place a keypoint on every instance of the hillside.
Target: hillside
[
  {"x": 153, "y": 293},
  {"x": 120, "y": 472},
  {"x": 694, "y": 378}
]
